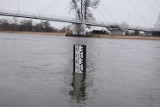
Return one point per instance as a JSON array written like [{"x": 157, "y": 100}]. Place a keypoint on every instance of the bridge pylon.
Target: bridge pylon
[{"x": 79, "y": 29}]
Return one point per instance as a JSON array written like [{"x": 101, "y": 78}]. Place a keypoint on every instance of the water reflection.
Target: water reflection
[{"x": 78, "y": 92}]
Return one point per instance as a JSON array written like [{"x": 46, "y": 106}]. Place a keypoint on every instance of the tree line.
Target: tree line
[{"x": 27, "y": 25}]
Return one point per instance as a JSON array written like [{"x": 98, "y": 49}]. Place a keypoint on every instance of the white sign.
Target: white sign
[{"x": 79, "y": 58}]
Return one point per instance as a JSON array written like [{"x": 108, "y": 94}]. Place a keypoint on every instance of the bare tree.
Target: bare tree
[
  {"x": 47, "y": 26},
  {"x": 43, "y": 26},
  {"x": 26, "y": 25},
  {"x": 5, "y": 25},
  {"x": 83, "y": 8}
]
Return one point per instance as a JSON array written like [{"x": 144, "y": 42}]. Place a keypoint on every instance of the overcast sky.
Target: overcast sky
[{"x": 134, "y": 12}]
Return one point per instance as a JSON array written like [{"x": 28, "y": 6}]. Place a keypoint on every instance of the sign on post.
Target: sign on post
[{"x": 79, "y": 56}]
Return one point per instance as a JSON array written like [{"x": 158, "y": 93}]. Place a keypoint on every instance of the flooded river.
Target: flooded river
[{"x": 37, "y": 71}]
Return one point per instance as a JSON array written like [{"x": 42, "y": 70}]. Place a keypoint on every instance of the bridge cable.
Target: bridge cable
[
  {"x": 42, "y": 2},
  {"x": 104, "y": 17},
  {"x": 50, "y": 6},
  {"x": 125, "y": 7},
  {"x": 18, "y": 6},
  {"x": 151, "y": 6},
  {"x": 46, "y": 7},
  {"x": 157, "y": 2},
  {"x": 108, "y": 12},
  {"x": 138, "y": 12}
]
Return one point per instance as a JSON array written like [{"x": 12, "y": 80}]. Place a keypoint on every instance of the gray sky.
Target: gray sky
[{"x": 135, "y": 12}]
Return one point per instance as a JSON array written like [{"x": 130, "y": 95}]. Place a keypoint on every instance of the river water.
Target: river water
[{"x": 37, "y": 71}]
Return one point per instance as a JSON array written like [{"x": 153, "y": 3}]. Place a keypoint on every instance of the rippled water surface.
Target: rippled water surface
[{"x": 37, "y": 71}]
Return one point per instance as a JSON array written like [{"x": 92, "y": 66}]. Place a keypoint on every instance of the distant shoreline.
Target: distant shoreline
[
  {"x": 124, "y": 37},
  {"x": 36, "y": 33},
  {"x": 88, "y": 36}
]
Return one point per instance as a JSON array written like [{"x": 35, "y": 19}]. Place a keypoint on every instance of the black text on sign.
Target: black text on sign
[{"x": 79, "y": 56}]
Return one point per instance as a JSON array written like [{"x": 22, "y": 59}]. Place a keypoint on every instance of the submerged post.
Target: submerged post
[{"x": 79, "y": 58}]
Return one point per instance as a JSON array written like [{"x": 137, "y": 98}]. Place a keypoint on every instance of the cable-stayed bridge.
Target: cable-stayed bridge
[
  {"x": 107, "y": 14},
  {"x": 73, "y": 21},
  {"x": 52, "y": 19}
]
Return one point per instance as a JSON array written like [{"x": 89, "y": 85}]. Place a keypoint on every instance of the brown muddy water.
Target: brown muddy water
[{"x": 37, "y": 71}]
